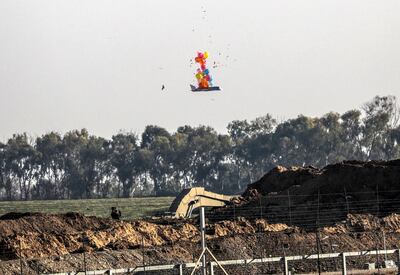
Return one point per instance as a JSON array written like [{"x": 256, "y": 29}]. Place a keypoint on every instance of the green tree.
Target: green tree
[
  {"x": 124, "y": 148},
  {"x": 351, "y": 135},
  {"x": 6, "y": 190},
  {"x": 381, "y": 116},
  {"x": 51, "y": 182},
  {"x": 74, "y": 143},
  {"x": 21, "y": 162},
  {"x": 158, "y": 141},
  {"x": 96, "y": 168}
]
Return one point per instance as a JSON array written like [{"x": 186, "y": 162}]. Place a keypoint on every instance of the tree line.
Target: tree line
[{"x": 80, "y": 165}]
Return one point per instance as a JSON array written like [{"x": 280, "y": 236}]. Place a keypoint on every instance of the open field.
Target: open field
[{"x": 131, "y": 208}]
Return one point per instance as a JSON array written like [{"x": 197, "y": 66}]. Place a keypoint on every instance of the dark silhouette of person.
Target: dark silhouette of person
[{"x": 115, "y": 213}]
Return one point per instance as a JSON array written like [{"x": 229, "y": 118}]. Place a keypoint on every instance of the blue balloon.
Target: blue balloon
[{"x": 206, "y": 71}]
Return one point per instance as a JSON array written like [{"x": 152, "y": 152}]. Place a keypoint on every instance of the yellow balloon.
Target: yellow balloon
[{"x": 205, "y": 54}]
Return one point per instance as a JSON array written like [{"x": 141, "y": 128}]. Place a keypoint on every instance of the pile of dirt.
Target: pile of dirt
[
  {"x": 349, "y": 206},
  {"x": 178, "y": 243},
  {"x": 40, "y": 235},
  {"x": 355, "y": 176},
  {"x": 44, "y": 235},
  {"x": 308, "y": 196}
]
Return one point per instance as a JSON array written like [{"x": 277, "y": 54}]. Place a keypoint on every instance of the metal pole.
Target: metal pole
[
  {"x": 203, "y": 239},
  {"x": 286, "y": 265},
  {"x": 318, "y": 252},
  {"x": 181, "y": 269},
  {"x": 144, "y": 263},
  {"x": 377, "y": 215},
  {"x": 347, "y": 202},
  {"x": 344, "y": 267},
  {"x": 211, "y": 268},
  {"x": 20, "y": 256},
  {"x": 317, "y": 237},
  {"x": 377, "y": 201},
  {"x": 333, "y": 251},
  {"x": 84, "y": 253},
  {"x": 234, "y": 218},
  {"x": 290, "y": 210},
  {"x": 384, "y": 243}
]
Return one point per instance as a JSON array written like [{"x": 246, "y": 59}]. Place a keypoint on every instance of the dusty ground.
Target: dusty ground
[
  {"x": 54, "y": 243},
  {"x": 260, "y": 224}
]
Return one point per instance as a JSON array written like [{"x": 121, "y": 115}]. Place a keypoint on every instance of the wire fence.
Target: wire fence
[{"x": 313, "y": 226}]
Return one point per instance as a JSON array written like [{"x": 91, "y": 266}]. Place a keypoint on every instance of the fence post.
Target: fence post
[
  {"x": 211, "y": 268},
  {"x": 20, "y": 256},
  {"x": 181, "y": 269},
  {"x": 398, "y": 258},
  {"x": 144, "y": 262},
  {"x": 84, "y": 241},
  {"x": 286, "y": 265},
  {"x": 344, "y": 267},
  {"x": 290, "y": 208},
  {"x": 203, "y": 240}
]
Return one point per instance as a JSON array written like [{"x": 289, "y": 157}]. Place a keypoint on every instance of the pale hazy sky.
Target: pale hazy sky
[{"x": 69, "y": 64}]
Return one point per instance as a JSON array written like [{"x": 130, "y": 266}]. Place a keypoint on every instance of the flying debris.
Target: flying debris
[{"x": 203, "y": 76}]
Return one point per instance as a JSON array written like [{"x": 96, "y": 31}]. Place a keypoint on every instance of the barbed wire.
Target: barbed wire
[{"x": 312, "y": 215}]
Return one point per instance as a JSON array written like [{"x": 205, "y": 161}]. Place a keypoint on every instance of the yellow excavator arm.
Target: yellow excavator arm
[{"x": 192, "y": 198}]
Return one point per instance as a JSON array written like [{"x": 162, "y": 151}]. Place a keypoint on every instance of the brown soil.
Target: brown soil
[
  {"x": 259, "y": 224},
  {"x": 52, "y": 243},
  {"x": 354, "y": 176},
  {"x": 310, "y": 197}
]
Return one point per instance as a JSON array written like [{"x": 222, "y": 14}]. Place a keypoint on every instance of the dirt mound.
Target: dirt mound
[
  {"x": 351, "y": 203},
  {"x": 311, "y": 197},
  {"x": 39, "y": 235},
  {"x": 43, "y": 235},
  {"x": 355, "y": 176},
  {"x": 237, "y": 239}
]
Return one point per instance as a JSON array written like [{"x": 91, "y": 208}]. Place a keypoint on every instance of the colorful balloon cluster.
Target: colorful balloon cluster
[{"x": 203, "y": 74}]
